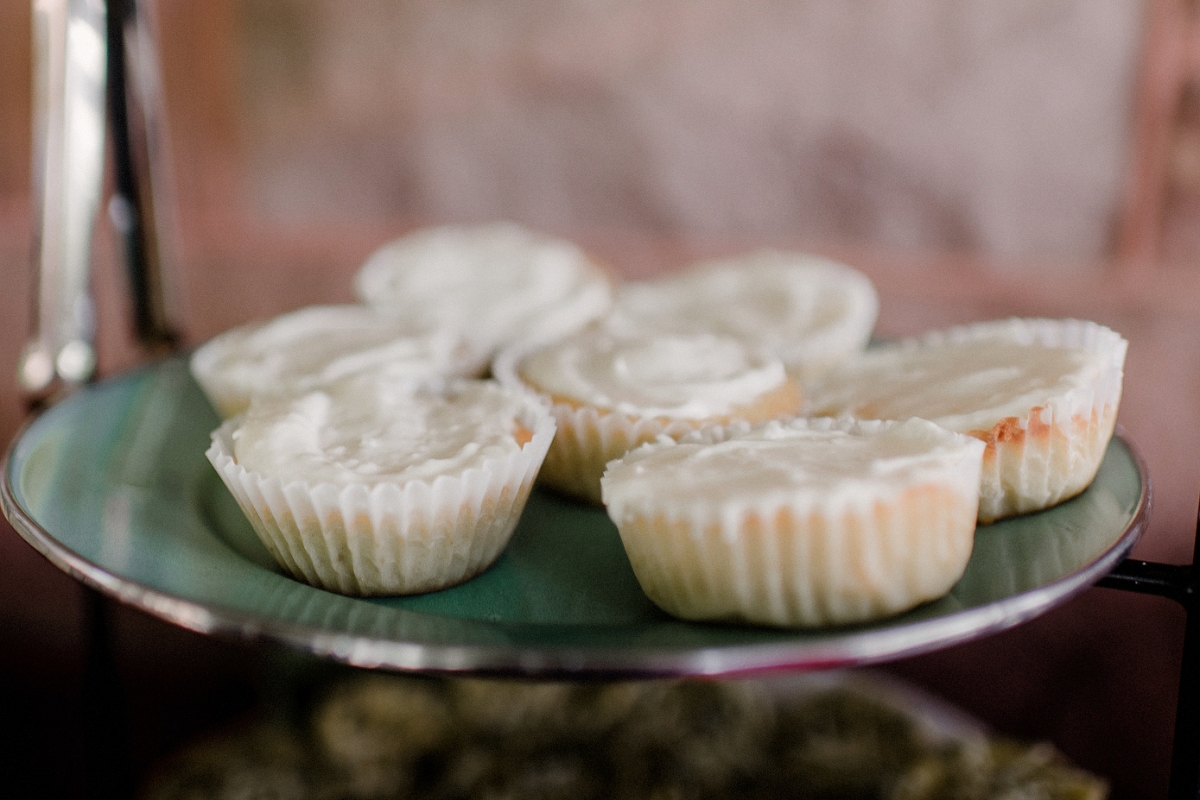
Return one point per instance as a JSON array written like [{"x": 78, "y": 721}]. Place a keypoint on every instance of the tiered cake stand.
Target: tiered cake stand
[{"x": 112, "y": 486}]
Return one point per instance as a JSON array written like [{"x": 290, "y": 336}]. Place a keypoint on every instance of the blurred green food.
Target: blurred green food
[{"x": 377, "y": 737}]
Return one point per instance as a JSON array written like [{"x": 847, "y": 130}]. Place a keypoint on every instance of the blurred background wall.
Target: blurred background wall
[
  {"x": 1000, "y": 129},
  {"x": 975, "y": 158},
  {"x": 1028, "y": 136}
]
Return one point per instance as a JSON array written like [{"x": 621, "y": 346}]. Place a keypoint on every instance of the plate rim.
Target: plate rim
[{"x": 876, "y": 646}]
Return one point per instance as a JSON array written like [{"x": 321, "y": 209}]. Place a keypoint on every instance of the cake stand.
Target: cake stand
[
  {"x": 111, "y": 484},
  {"x": 113, "y": 487}
]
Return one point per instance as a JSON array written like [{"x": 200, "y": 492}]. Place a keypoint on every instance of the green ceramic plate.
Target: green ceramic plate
[{"x": 113, "y": 487}]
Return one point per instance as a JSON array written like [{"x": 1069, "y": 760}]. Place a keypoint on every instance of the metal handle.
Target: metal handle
[{"x": 70, "y": 71}]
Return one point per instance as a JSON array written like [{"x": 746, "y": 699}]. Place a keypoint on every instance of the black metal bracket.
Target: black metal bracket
[
  {"x": 1173, "y": 581},
  {"x": 1177, "y": 582}
]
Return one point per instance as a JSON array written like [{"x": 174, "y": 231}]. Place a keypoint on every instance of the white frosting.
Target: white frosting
[
  {"x": 809, "y": 522},
  {"x": 971, "y": 378},
  {"x": 809, "y": 311},
  {"x": 495, "y": 283},
  {"x": 371, "y": 431},
  {"x": 797, "y": 462},
  {"x": 694, "y": 376},
  {"x": 314, "y": 346}
]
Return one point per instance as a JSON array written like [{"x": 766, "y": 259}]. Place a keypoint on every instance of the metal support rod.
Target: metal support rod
[
  {"x": 126, "y": 64},
  {"x": 1147, "y": 577},
  {"x": 109, "y": 771},
  {"x": 1179, "y": 583},
  {"x": 1185, "y": 754},
  {"x": 138, "y": 207}
]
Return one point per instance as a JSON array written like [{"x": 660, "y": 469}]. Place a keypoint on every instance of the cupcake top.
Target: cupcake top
[
  {"x": 809, "y": 311},
  {"x": 797, "y": 462},
  {"x": 970, "y": 377},
  {"x": 495, "y": 283},
  {"x": 318, "y": 345},
  {"x": 370, "y": 430},
  {"x": 682, "y": 376}
]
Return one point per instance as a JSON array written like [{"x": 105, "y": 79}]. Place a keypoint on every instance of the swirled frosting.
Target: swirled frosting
[
  {"x": 314, "y": 346},
  {"x": 369, "y": 430},
  {"x": 809, "y": 311},
  {"x": 495, "y": 283},
  {"x": 684, "y": 376}
]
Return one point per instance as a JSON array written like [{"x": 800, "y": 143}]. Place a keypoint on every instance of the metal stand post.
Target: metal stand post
[
  {"x": 1179, "y": 583},
  {"x": 136, "y": 118},
  {"x": 108, "y": 769}
]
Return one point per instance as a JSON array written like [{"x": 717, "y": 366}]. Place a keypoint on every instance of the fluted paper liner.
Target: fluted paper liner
[
  {"x": 588, "y": 438},
  {"x": 1051, "y": 453},
  {"x": 389, "y": 538},
  {"x": 808, "y": 558}
]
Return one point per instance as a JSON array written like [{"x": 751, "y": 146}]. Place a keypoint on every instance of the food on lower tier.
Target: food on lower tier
[
  {"x": 372, "y": 487},
  {"x": 611, "y": 392},
  {"x": 819, "y": 736},
  {"x": 1042, "y": 394},
  {"x": 800, "y": 523}
]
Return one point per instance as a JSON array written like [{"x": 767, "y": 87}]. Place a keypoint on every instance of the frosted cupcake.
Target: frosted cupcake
[
  {"x": 810, "y": 312},
  {"x": 799, "y": 524},
  {"x": 1042, "y": 394},
  {"x": 318, "y": 345},
  {"x": 610, "y": 392},
  {"x": 371, "y": 487},
  {"x": 495, "y": 284}
]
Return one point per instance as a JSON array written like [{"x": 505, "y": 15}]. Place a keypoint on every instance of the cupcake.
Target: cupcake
[
  {"x": 371, "y": 486},
  {"x": 1042, "y": 394},
  {"x": 314, "y": 346},
  {"x": 802, "y": 523},
  {"x": 495, "y": 284},
  {"x": 610, "y": 392},
  {"x": 809, "y": 311}
]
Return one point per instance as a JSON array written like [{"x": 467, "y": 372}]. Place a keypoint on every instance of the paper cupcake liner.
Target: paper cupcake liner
[
  {"x": 811, "y": 559},
  {"x": 1052, "y": 453},
  {"x": 588, "y": 439},
  {"x": 1034, "y": 463},
  {"x": 388, "y": 539}
]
